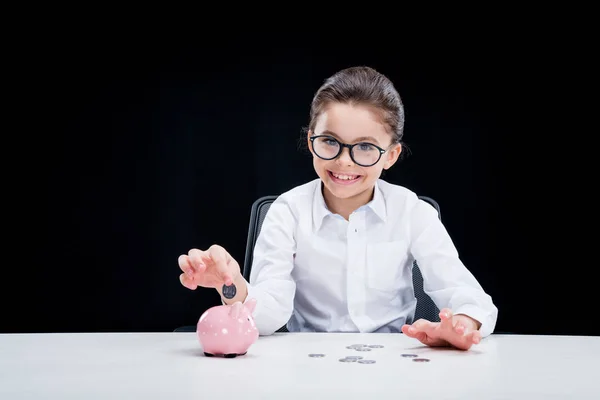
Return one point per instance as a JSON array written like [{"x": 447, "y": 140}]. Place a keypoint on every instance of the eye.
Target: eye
[
  {"x": 328, "y": 141},
  {"x": 365, "y": 147}
]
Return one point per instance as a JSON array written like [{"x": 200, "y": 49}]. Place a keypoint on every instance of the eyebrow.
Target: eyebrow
[{"x": 360, "y": 139}]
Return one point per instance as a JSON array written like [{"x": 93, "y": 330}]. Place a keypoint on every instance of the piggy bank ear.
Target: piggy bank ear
[
  {"x": 235, "y": 310},
  {"x": 250, "y": 305}
]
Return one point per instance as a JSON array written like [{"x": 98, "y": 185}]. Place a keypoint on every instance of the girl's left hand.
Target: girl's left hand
[{"x": 459, "y": 331}]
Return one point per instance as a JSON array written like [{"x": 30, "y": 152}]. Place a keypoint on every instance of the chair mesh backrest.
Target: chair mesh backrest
[{"x": 425, "y": 309}]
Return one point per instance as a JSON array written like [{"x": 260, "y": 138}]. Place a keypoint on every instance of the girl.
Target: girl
[{"x": 336, "y": 254}]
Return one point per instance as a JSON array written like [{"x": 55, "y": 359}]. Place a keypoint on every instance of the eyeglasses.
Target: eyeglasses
[{"x": 363, "y": 154}]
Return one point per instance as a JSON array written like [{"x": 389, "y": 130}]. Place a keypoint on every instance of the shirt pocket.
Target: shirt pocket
[{"x": 385, "y": 262}]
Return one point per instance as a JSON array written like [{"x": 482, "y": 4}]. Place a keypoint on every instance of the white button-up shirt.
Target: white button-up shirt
[{"x": 317, "y": 272}]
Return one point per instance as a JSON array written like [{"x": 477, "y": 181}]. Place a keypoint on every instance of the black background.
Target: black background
[{"x": 133, "y": 151}]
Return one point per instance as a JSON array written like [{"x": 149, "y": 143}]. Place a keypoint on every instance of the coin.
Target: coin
[
  {"x": 316, "y": 355},
  {"x": 229, "y": 291},
  {"x": 366, "y": 361},
  {"x": 362, "y": 349},
  {"x": 421, "y": 359},
  {"x": 355, "y": 357},
  {"x": 348, "y": 360},
  {"x": 376, "y": 346},
  {"x": 410, "y": 355}
]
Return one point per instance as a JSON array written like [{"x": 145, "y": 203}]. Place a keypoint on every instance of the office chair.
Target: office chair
[{"x": 425, "y": 308}]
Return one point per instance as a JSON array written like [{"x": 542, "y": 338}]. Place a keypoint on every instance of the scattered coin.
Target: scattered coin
[
  {"x": 316, "y": 355},
  {"x": 376, "y": 346},
  {"x": 362, "y": 349},
  {"x": 355, "y": 357},
  {"x": 421, "y": 359},
  {"x": 366, "y": 361},
  {"x": 410, "y": 355},
  {"x": 348, "y": 360}
]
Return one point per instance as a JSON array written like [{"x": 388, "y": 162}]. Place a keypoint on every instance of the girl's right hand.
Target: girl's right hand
[{"x": 210, "y": 269}]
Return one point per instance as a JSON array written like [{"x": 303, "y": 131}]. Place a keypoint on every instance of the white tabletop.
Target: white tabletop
[{"x": 173, "y": 366}]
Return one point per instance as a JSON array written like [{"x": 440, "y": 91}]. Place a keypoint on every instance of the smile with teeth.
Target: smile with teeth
[{"x": 344, "y": 177}]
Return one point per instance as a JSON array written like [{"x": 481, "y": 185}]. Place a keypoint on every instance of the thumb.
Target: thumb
[{"x": 219, "y": 256}]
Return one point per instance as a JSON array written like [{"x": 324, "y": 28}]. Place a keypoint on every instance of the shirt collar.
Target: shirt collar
[
  {"x": 320, "y": 210},
  {"x": 377, "y": 205}
]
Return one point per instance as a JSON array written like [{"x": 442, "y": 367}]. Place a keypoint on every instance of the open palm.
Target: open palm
[{"x": 454, "y": 330}]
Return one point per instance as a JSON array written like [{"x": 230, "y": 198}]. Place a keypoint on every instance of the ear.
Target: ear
[
  {"x": 235, "y": 310},
  {"x": 392, "y": 156},
  {"x": 250, "y": 305},
  {"x": 308, "y": 143}
]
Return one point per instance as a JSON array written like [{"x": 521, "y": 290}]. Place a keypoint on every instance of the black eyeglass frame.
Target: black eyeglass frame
[{"x": 349, "y": 147}]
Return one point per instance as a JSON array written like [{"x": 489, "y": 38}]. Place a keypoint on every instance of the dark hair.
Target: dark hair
[{"x": 362, "y": 86}]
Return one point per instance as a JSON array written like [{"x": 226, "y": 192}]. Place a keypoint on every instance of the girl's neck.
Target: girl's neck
[{"x": 345, "y": 207}]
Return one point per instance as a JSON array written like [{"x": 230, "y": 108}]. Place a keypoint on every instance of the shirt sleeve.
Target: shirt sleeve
[
  {"x": 445, "y": 278},
  {"x": 271, "y": 282}
]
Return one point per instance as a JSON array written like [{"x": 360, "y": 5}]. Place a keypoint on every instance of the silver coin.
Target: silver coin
[
  {"x": 362, "y": 349},
  {"x": 316, "y": 355},
  {"x": 359, "y": 345},
  {"x": 366, "y": 361},
  {"x": 355, "y": 357},
  {"x": 421, "y": 359},
  {"x": 376, "y": 346},
  {"x": 348, "y": 360},
  {"x": 229, "y": 291},
  {"x": 410, "y": 355}
]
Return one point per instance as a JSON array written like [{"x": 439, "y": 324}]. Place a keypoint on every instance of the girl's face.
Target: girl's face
[{"x": 350, "y": 124}]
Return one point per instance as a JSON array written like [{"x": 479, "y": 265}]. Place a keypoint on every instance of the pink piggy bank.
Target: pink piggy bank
[{"x": 228, "y": 330}]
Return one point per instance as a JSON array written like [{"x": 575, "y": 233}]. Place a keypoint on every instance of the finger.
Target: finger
[
  {"x": 185, "y": 265},
  {"x": 406, "y": 330},
  {"x": 460, "y": 329},
  {"x": 219, "y": 256},
  {"x": 464, "y": 340},
  {"x": 414, "y": 333},
  {"x": 455, "y": 326},
  {"x": 187, "y": 282},
  {"x": 419, "y": 327},
  {"x": 423, "y": 337},
  {"x": 475, "y": 337},
  {"x": 446, "y": 320},
  {"x": 198, "y": 259}
]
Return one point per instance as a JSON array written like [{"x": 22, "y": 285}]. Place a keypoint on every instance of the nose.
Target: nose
[{"x": 344, "y": 158}]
